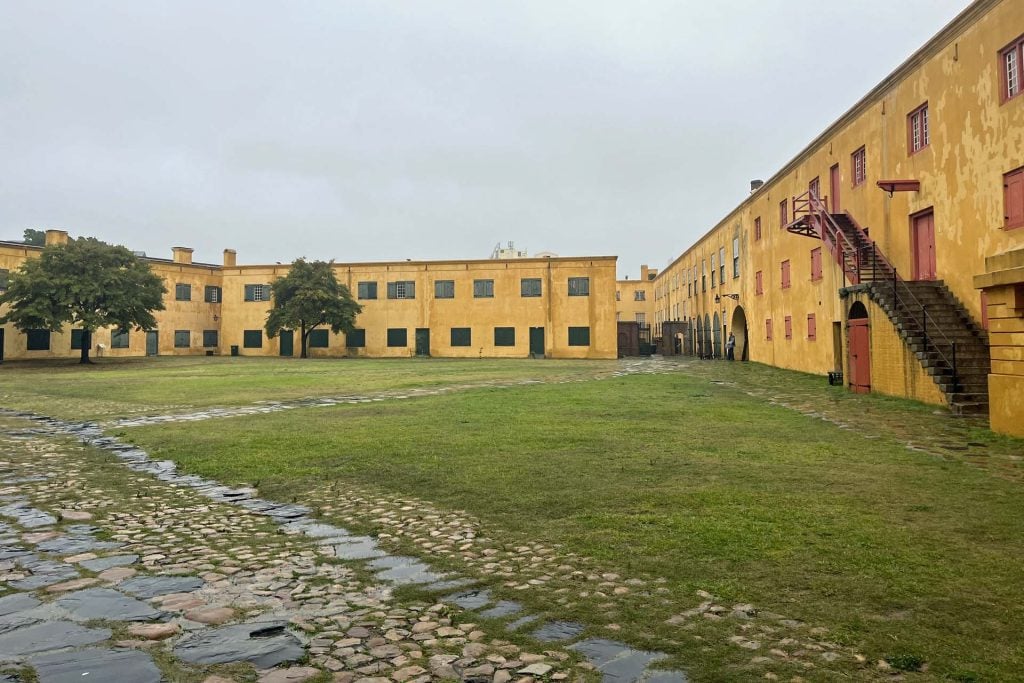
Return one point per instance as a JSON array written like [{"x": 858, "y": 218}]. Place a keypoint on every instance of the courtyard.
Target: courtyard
[{"x": 500, "y": 520}]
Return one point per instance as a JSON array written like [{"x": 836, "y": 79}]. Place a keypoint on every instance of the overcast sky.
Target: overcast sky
[{"x": 422, "y": 129}]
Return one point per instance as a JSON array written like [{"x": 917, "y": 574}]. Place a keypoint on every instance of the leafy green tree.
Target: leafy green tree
[
  {"x": 85, "y": 283},
  {"x": 310, "y": 296},
  {"x": 36, "y": 238}
]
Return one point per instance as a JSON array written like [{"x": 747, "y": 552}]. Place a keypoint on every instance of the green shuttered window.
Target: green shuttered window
[
  {"x": 252, "y": 339},
  {"x": 319, "y": 339},
  {"x": 38, "y": 340},
  {"x": 579, "y": 336},
  {"x": 579, "y": 286},
  {"x": 504, "y": 336},
  {"x": 444, "y": 289},
  {"x": 210, "y": 339},
  {"x": 182, "y": 339},
  {"x": 119, "y": 339},
  {"x": 367, "y": 290},
  {"x": 483, "y": 289},
  {"x": 356, "y": 339},
  {"x": 398, "y": 337},
  {"x": 530, "y": 286},
  {"x": 462, "y": 336},
  {"x": 403, "y": 289}
]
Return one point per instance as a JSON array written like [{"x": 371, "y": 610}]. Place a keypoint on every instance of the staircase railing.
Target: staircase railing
[{"x": 913, "y": 305}]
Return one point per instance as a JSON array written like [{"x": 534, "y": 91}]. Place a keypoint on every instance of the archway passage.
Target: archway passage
[
  {"x": 739, "y": 329},
  {"x": 858, "y": 331},
  {"x": 699, "y": 338},
  {"x": 717, "y": 335},
  {"x": 707, "y": 337}
]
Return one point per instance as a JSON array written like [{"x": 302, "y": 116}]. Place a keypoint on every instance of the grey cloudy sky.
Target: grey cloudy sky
[{"x": 367, "y": 130}]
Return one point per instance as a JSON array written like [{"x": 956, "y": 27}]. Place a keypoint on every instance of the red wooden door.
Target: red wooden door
[
  {"x": 860, "y": 356},
  {"x": 923, "y": 244},
  {"x": 833, "y": 180}
]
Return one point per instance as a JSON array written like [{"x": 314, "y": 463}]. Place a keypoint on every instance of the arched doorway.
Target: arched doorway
[
  {"x": 717, "y": 335},
  {"x": 699, "y": 338},
  {"x": 708, "y": 349},
  {"x": 858, "y": 333},
  {"x": 739, "y": 329}
]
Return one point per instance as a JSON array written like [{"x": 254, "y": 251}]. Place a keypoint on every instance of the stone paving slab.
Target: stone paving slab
[{"x": 96, "y": 665}]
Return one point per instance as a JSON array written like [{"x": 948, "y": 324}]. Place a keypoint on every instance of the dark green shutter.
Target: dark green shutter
[
  {"x": 529, "y": 286},
  {"x": 356, "y": 339},
  {"x": 462, "y": 336},
  {"x": 398, "y": 337},
  {"x": 38, "y": 340},
  {"x": 77, "y": 339},
  {"x": 392, "y": 290},
  {"x": 5, "y": 279},
  {"x": 504, "y": 336},
  {"x": 579, "y": 336},
  {"x": 252, "y": 339},
  {"x": 182, "y": 339},
  {"x": 119, "y": 339},
  {"x": 319, "y": 339},
  {"x": 250, "y": 292},
  {"x": 210, "y": 338}
]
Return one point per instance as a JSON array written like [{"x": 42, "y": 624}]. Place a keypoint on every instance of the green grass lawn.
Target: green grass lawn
[
  {"x": 898, "y": 552},
  {"x": 122, "y": 387}
]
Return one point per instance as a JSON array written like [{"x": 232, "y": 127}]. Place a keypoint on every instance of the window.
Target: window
[
  {"x": 757, "y": 229},
  {"x": 397, "y": 336},
  {"x": 212, "y": 295},
  {"x": 641, "y": 318},
  {"x": 812, "y": 327},
  {"x": 859, "y": 162},
  {"x": 356, "y": 339},
  {"x": 640, "y": 295},
  {"x": 759, "y": 282},
  {"x": 5, "y": 278},
  {"x": 579, "y": 286},
  {"x": 721, "y": 265},
  {"x": 504, "y": 336},
  {"x": 318, "y": 339},
  {"x": 403, "y": 289},
  {"x": 713, "y": 270},
  {"x": 703, "y": 275},
  {"x": 119, "y": 339},
  {"x": 252, "y": 339},
  {"x": 918, "y": 135},
  {"x": 483, "y": 289},
  {"x": 768, "y": 329},
  {"x": 789, "y": 326},
  {"x": 783, "y": 213},
  {"x": 814, "y": 187},
  {"x": 785, "y": 274},
  {"x": 257, "y": 293},
  {"x": 1012, "y": 68},
  {"x": 462, "y": 336},
  {"x": 38, "y": 340},
  {"x": 579, "y": 336},
  {"x": 1013, "y": 199},
  {"x": 816, "y": 263},
  {"x": 444, "y": 289},
  {"x": 182, "y": 292},
  {"x": 182, "y": 339},
  {"x": 211, "y": 339},
  {"x": 77, "y": 339},
  {"x": 735, "y": 257},
  {"x": 366, "y": 290},
  {"x": 618, "y": 295}
]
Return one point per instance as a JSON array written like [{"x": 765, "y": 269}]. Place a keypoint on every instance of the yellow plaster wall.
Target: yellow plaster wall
[
  {"x": 626, "y": 304},
  {"x": 1003, "y": 285}
]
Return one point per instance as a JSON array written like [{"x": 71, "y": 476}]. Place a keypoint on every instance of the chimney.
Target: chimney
[
  {"x": 56, "y": 237},
  {"x": 182, "y": 255},
  {"x": 755, "y": 185},
  {"x": 229, "y": 258}
]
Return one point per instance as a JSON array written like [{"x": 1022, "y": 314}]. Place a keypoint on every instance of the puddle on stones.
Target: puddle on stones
[
  {"x": 357, "y": 548},
  {"x": 471, "y": 599},
  {"x": 504, "y": 608},
  {"x": 98, "y": 664},
  {"x": 557, "y": 630},
  {"x": 619, "y": 662},
  {"x": 521, "y": 622},
  {"x": 404, "y": 570}
]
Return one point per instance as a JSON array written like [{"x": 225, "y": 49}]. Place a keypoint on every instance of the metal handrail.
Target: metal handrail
[{"x": 914, "y": 305}]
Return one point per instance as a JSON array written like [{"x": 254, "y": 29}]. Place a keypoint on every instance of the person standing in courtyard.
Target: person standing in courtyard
[{"x": 730, "y": 346}]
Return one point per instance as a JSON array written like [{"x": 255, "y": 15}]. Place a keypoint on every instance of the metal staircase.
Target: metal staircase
[{"x": 932, "y": 322}]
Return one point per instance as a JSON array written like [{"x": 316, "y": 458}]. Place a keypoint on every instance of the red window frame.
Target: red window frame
[
  {"x": 757, "y": 229},
  {"x": 812, "y": 327},
  {"x": 919, "y": 135},
  {"x": 786, "y": 280},
  {"x": 1013, "y": 199},
  {"x": 783, "y": 213},
  {"x": 758, "y": 283},
  {"x": 789, "y": 326},
  {"x": 768, "y": 329},
  {"x": 1011, "y": 68},
  {"x": 816, "y": 264},
  {"x": 859, "y": 161}
]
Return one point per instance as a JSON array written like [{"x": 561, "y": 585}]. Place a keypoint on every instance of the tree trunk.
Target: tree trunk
[
  {"x": 86, "y": 344},
  {"x": 304, "y": 334}
]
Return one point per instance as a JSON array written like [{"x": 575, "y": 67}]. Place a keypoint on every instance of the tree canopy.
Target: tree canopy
[
  {"x": 310, "y": 296},
  {"x": 36, "y": 238},
  {"x": 85, "y": 283}
]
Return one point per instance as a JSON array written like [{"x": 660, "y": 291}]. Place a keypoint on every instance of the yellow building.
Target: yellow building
[
  {"x": 634, "y": 299},
  {"x": 523, "y": 307},
  {"x": 924, "y": 176}
]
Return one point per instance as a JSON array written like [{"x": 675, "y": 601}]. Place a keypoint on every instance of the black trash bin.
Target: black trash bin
[{"x": 234, "y": 349}]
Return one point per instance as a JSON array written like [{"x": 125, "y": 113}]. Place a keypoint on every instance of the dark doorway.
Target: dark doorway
[
  {"x": 860, "y": 349},
  {"x": 1, "y": 345},
  {"x": 422, "y": 341},
  {"x": 739, "y": 330},
  {"x": 152, "y": 342},
  {"x": 837, "y": 346},
  {"x": 536, "y": 342},
  {"x": 716, "y": 339},
  {"x": 287, "y": 342}
]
